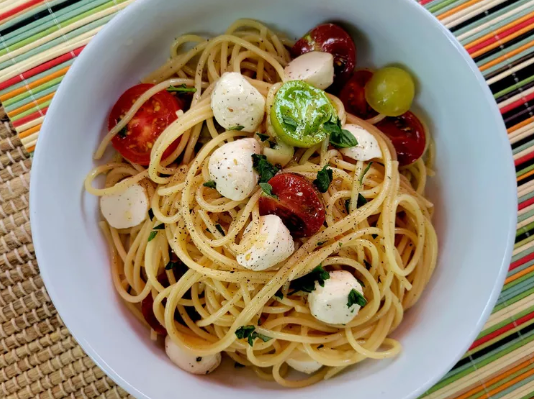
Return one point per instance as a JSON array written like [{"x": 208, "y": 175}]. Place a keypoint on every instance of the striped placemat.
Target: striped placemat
[{"x": 39, "y": 41}]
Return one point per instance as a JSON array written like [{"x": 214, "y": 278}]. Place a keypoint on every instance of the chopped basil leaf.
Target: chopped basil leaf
[
  {"x": 159, "y": 227},
  {"x": 181, "y": 89},
  {"x": 321, "y": 243},
  {"x": 171, "y": 265},
  {"x": 340, "y": 244},
  {"x": 365, "y": 172},
  {"x": 347, "y": 205},
  {"x": 263, "y": 137},
  {"x": 151, "y": 214},
  {"x": 279, "y": 295},
  {"x": 361, "y": 200},
  {"x": 152, "y": 235},
  {"x": 268, "y": 190},
  {"x": 210, "y": 184},
  {"x": 361, "y": 282},
  {"x": 355, "y": 298},
  {"x": 264, "y": 168},
  {"x": 367, "y": 264},
  {"x": 238, "y": 127},
  {"x": 288, "y": 120},
  {"x": 220, "y": 229},
  {"x": 307, "y": 283},
  {"x": 340, "y": 138},
  {"x": 249, "y": 333},
  {"x": 324, "y": 178}
]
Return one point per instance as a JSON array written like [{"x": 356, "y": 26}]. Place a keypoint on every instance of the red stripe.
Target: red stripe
[
  {"x": 20, "y": 8},
  {"x": 524, "y": 158},
  {"x": 31, "y": 117},
  {"x": 501, "y": 35},
  {"x": 521, "y": 261},
  {"x": 41, "y": 68},
  {"x": 526, "y": 203},
  {"x": 423, "y": 2},
  {"x": 502, "y": 330},
  {"x": 517, "y": 103}
]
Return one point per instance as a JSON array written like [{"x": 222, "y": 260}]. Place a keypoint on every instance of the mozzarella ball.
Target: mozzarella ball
[
  {"x": 230, "y": 167},
  {"x": 191, "y": 363},
  {"x": 315, "y": 68},
  {"x": 303, "y": 363},
  {"x": 273, "y": 245},
  {"x": 329, "y": 303},
  {"x": 235, "y": 103},
  {"x": 367, "y": 147},
  {"x": 126, "y": 209}
]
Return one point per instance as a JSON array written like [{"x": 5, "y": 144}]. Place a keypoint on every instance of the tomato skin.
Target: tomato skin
[
  {"x": 352, "y": 95},
  {"x": 333, "y": 39},
  {"x": 142, "y": 131},
  {"x": 407, "y": 134},
  {"x": 302, "y": 214}
]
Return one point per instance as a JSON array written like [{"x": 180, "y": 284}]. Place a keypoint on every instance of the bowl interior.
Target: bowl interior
[{"x": 474, "y": 191}]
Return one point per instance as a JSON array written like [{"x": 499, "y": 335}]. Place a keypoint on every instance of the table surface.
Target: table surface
[{"x": 39, "y": 41}]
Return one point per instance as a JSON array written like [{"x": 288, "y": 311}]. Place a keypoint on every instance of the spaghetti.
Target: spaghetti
[{"x": 386, "y": 241}]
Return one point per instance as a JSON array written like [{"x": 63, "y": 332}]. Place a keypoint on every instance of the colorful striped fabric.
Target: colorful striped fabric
[{"x": 39, "y": 41}]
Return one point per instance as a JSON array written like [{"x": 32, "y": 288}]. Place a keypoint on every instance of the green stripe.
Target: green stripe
[
  {"x": 528, "y": 395},
  {"x": 525, "y": 216},
  {"x": 33, "y": 11},
  {"x": 526, "y": 197},
  {"x": 444, "y": 4},
  {"x": 517, "y": 385},
  {"x": 500, "y": 53},
  {"x": 484, "y": 360},
  {"x": 523, "y": 242},
  {"x": 517, "y": 150},
  {"x": 522, "y": 254},
  {"x": 38, "y": 89},
  {"x": 58, "y": 26},
  {"x": 524, "y": 229},
  {"x": 513, "y": 300},
  {"x": 37, "y": 77},
  {"x": 510, "y": 319},
  {"x": 515, "y": 86},
  {"x": 31, "y": 111},
  {"x": 31, "y": 98}
]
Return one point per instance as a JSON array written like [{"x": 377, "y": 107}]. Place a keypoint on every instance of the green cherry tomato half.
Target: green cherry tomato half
[
  {"x": 299, "y": 112},
  {"x": 390, "y": 91}
]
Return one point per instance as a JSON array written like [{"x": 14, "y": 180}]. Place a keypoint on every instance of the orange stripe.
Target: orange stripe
[
  {"x": 522, "y": 177},
  {"x": 521, "y": 124},
  {"x": 31, "y": 105},
  {"x": 456, "y": 9},
  {"x": 31, "y": 130},
  {"x": 510, "y": 383},
  {"x": 504, "y": 40},
  {"x": 496, "y": 32},
  {"x": 519, "y": 274},
  {"x": 493, "y": 380},
  {"x": 506, "y": 56},
  {"x": 38, "y": 82},
  {"x": 31, "y": 149}
]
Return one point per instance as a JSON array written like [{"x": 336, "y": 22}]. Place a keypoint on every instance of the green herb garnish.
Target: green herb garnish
[
  {"x": 365, "y": 172},
  {"x": 265, "y": 169},
  {"x": 279, "y": 295},
  {"x": 361, "y": 200},
  {"x": 307, "y": 283},
  {"x": 288, "y": 120},
  {"x": 181, "y": 89},
  {"x": 356, "y": 298},
  {"x": 238, "y": 127},
  {"x": 171, "y": 265},
  {"x": 152, "y": 235},
  {"x": 263, "y": 137},
  {"x": 249, "y": 333},
  {"x": 210, "y": 184},
  {"x": 159, "y": 227},
  {"x": 347, "y": 205},
  {"x": 151, "y": 214},
  {"x": 220, "y": 229},
  {"x": 340, "y": 138},
  {"x": 324, "y": 178},
  {"x": 268, "y": 190}
]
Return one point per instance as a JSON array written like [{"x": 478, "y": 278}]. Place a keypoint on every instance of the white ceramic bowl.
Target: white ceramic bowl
[{"x": 474, "y": 193}]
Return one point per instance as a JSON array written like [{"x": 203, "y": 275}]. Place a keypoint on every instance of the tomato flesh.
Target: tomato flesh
[
  {"x": 353, "y": 95},
  {"x": 298, "y": 205},
  {"x": 333, "y": 39},
  {"x": 407, "y": 134},
  {"x": 136, "y": 140}
]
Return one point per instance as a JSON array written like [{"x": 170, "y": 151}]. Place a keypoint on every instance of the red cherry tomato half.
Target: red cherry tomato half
[
  {"x": 353, "y": 95},
  {"x": 298, "y": 205},
  {"x": 135, "y": 141},
  {"x": 150, "y": 318},
  {"x": 332, "y": 39},
  {"x": 407, "y": 134}
]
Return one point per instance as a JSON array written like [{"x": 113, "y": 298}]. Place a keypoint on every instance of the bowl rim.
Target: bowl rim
[{"x": 91, "y": 51}]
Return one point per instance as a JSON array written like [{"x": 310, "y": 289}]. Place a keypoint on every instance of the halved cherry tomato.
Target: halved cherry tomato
[
  {"x": 298, "y": 205},
  {"x": 353, "y": 95},
  {"x": 407, "y": 134},
  {"x": 332, "y": 39},
  {"x": 135, "y": 141}
]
